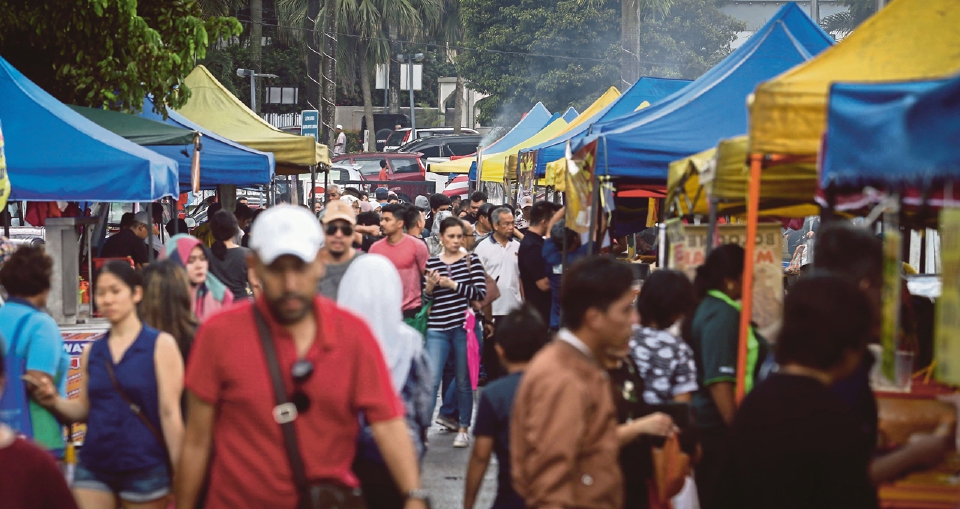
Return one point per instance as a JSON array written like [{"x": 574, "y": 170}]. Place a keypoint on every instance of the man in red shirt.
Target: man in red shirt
[
  {"x": 408, "y": 255},
  {"x": 231, "y": 397},
  {"x": 384, "y": 175}
]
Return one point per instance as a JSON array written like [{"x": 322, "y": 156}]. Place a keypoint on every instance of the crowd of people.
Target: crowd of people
[{"x": 291, "y": 357}]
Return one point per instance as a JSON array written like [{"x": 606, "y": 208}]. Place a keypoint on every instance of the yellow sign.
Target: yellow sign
[
  {"x": 580, "y": 187},
  {"x": 691, "y": 252},
  {"x": 947, "y": 334},
  {"x": 4, "y": 178}
]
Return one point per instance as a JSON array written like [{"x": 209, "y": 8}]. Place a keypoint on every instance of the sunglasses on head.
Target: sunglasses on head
[
  {"x": 302, "y": 371},
  {"x": 345, "y": 228}
]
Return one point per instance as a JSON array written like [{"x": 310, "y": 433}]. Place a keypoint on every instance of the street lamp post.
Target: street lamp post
[
  {"x": 410, "y": 58},
  {"x": 253, "y": 84}
]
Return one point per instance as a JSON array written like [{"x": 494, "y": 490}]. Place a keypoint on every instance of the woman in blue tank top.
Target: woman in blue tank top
[{"x": 129, "y": 398}]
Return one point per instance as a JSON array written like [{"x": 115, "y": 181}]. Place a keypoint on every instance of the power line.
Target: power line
[{"x": 465, "y": 48}]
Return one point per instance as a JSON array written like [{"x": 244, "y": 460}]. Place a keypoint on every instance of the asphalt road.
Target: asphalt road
[{"x": 445, "y": 471}]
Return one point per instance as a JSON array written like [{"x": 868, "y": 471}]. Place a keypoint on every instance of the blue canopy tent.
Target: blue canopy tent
[
  {"x": 642, "y": 145},
  {"x": 646, "y": 89},
  {"x": 530, "y": 124},
  {"x": 892, "y": 134},
  {"x": 221, "y": 161},
  {"x": 55, "y": 154}
]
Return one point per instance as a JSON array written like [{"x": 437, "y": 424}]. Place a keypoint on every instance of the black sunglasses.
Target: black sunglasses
[
  {"x": 346, "y": 229},
  {"x": 302, "y": 371}
]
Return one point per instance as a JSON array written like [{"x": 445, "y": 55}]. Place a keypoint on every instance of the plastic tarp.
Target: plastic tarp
[
  {"x": 221, "y": 161},
  {"x": 213, "y": 107},
  {"x": 138, "y": 130},
  {"x": 786, "y": 190},
  {"x": 492, "y": 166},
  {"x": 907, "y": 40},
  {"x": 641, "y": 94},
  {"x": 892, "y": 134},
  {"x": 55, "y": 154},
  {"x": 642, "y": 145}
]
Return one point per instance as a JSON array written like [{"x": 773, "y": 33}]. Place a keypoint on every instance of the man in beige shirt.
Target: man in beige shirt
[{"x": 563, "y": 433}]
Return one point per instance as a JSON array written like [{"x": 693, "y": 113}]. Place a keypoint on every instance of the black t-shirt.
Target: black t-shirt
[
  {"x": 125, "y": 243},
  {"x": 794, "y": 445},
  {"x": 532, "y": 269},
  {"x": 493, "y": 420},
  {"x": 232, "y": 271}
]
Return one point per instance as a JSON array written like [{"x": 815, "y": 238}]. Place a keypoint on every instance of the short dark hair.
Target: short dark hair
[
  {"x": 497, "y": 212},
  {"x": 521, "y": 334},
  {"x": 724, "y": 262},
  {"x": 243, "y": 212},
  {"x": 223, "y": 225},
  {"x": 451, "y": 222},
  {"x": 156, "y": 212},
  {"x": 411, "y": 216},
  {"x": 395, "y": 209},
  {"x": 665, "y": 294},
  {"x": 824, "y": 315},
  {"x": 242, "y": 199},
  {"x": 27, "y": 272},
  {"x": 438, "y": 200},
  {"x": 368, "y": 219},
  {"x": 179, "y": 224},
  {"x": 478, "y": 196},
  {"x": 127, "y": 220},
  {"x": 593, "y": 282},
  {"x": 850, "y": 251},
  {"x": 213, "y": 209},
  {"x": 383, "y": 163},
  {"x": 485, "y": 210},
  {"x": 541, "y": 211}
]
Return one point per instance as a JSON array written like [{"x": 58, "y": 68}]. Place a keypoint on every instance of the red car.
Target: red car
[{"x": 400, "y": 166}]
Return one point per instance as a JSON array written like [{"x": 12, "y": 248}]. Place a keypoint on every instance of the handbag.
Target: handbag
[
  {"x": 671, "y": 466},
  {"x": 317, "y": 495},
  {"x": 14, "y": 403},
  {"x": 419, "y": 322},
  {"x": 135, "y": 408}
]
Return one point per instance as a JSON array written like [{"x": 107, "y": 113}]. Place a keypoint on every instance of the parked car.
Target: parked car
[
  {"x": 405, "y": 135},
  {"x": 383, "y": 125},
  {"x": 399, "y": 166},
  {"x": 440, "y": 148}
]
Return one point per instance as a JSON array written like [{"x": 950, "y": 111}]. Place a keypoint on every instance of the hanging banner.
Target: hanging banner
[
  {"x": 75, "y": 339},
  {"x": 688, "y": 250},
  {"x": 890, "y": 304},
  {"x": 947, "y": 334},
  {"x": 525, "y": 181},
  {"x": 580, "y": 168}
]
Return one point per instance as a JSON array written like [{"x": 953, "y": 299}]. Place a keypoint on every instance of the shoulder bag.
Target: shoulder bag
[
  {"x": 135, "y": 408},
  {"x": 14, "y": 402},
  {"x": 493, "y": 292},
  {"x": 317, "y": 495}
]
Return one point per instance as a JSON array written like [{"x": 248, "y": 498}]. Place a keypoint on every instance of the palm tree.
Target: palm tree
[
  {"x": 632, "y": 12},
  {"x": 366, "y": 26},
  {"x": 223, "y": 8},
  {"x": 842, "y": 23},
  {"x": 451, "y": 31}
]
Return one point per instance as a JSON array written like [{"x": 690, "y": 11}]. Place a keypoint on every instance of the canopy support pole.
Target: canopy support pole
[
  {"x": 326, "y": 184},
  {"x": 753, "y": 213},
  {"x": 597, "y": 210},
  {"x": 313, "y": 188},
  {"x": 712, "y": 226}
]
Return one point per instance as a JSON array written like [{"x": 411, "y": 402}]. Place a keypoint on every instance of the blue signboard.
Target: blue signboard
[{"x": 310, "y": 123}]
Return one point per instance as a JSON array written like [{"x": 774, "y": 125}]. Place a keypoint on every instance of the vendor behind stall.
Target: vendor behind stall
[{"x": 130, "y": 242}]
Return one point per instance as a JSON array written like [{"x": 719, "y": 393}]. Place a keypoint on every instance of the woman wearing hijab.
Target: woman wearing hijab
[
  {"x": 371, "y": 288},
  {"x": 208, "y": 294}
]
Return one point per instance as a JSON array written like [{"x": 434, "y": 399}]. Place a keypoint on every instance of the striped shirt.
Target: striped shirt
[{"x": 449, "y": 307}]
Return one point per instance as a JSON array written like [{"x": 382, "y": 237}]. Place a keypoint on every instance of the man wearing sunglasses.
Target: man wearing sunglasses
[
  {"x": 331, "y": 370},
  {"x": 339, "y": 225}
]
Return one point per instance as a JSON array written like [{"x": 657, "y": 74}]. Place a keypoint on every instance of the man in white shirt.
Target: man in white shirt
[
  {"x": 340, "y": 147},
  {"x": 499, "y": 254}
]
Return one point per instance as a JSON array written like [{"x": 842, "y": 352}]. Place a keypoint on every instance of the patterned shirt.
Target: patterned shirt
[{"x": 666, "y": 364}]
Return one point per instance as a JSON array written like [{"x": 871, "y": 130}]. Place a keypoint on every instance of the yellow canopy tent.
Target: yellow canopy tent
[
  {"x": 786, "y": 190},
  {"x": 492, "y": 167},
  {"x": 906, "y": 40},
  {"x": 213, "y": 107}
]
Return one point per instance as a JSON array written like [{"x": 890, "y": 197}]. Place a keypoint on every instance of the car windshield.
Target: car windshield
[
  {"x": 396, "y": 138},
  {"x": 411, "y": 165},
  {"x": 369, "y": 166}
]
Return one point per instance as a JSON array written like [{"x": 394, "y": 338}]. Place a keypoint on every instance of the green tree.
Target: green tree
[
  {"x": 109, "y": 52},
  {"x": 686, "y": 42},
  {"x": 523, "y": 51}
]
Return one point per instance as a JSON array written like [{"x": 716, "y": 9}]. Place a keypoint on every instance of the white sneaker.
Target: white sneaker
[{"x": 462, "y": 440}]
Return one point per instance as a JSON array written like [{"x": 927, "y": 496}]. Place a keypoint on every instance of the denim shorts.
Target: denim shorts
[{"x": 138, "y": 487}]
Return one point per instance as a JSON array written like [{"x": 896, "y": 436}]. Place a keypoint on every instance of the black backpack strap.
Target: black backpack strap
[{"x": 285, "y": 412}]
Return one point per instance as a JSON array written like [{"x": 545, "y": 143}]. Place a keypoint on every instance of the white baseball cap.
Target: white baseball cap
[
  {"x": 339, "y": 126},
  {"x": 526, "y": 201},
  {"x": 286, "y": 230}
]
